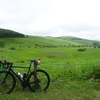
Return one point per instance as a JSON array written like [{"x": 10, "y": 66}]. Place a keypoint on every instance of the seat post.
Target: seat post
[{"x": 35, "y": 65}]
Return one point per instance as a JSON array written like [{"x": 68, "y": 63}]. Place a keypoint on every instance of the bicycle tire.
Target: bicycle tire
[
  {"x": 8, "y": 85},
  {"x": 42, "y": 81}
]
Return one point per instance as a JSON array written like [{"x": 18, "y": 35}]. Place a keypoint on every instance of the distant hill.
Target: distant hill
[
  {"x": 78, "y": 40},
  {"x": 5, "y": 33},
  {"x": 48, "y": 42},
  {"x": 45, "y": 41}
]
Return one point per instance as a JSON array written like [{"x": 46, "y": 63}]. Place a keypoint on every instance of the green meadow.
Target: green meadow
[{"x": 75, "y": 75}]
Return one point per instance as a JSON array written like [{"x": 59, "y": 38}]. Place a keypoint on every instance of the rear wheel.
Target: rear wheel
[
  {"x": 39, "y": 81},
  {"x": 7, "y": 82}
]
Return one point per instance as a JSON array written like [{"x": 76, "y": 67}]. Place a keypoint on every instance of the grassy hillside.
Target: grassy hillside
[
  {"x": 70, "y": 70},
  {"x": 46, "y": 47},
  {"x": 32, "y": 40}
]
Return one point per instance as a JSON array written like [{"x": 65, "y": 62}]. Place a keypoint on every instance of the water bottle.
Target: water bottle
[{"x": 19, "y": 74}]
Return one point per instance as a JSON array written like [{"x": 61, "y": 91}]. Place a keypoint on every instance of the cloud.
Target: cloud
[{"x": 52, "y": 17}]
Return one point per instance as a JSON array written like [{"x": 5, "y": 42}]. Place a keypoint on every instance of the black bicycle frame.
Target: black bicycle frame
[
  {"x": 10, "y": 69},
  {"x": 35, "y": 68}
]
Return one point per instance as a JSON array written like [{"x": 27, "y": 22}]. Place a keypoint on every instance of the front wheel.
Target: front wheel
[
  {"x": 7, "y": 82},
  {"x": 39, "y": 81}
]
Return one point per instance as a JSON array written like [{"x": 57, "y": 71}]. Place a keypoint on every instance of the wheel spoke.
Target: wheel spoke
[
  {"x": 41, "y": 80},
  {"x": 7, "y": 85}
]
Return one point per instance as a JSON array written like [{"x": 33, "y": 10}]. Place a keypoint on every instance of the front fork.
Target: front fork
[{"x": 6, "y": 74}]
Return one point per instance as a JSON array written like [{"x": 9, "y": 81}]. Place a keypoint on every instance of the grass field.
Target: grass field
[{"x": 70, "y": 71}]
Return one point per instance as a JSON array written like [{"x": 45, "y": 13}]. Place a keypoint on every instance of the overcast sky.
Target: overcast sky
[{"x": 80, "y": 18}]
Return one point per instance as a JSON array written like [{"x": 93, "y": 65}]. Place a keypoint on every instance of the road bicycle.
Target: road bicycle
[{"x": 37, "y": 80}]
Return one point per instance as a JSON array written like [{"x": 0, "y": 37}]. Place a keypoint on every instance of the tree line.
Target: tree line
[
  {"x": 4, "y": 33},
  {"x": 96, "y": 45}
]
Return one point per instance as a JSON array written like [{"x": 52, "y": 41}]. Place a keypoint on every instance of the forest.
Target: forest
[{"x": 5, "y": 33}]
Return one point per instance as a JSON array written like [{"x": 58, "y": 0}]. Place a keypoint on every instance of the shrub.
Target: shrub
[
  {"x": 2, "y": 44},
  {"x": 12, "y": 48}
]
